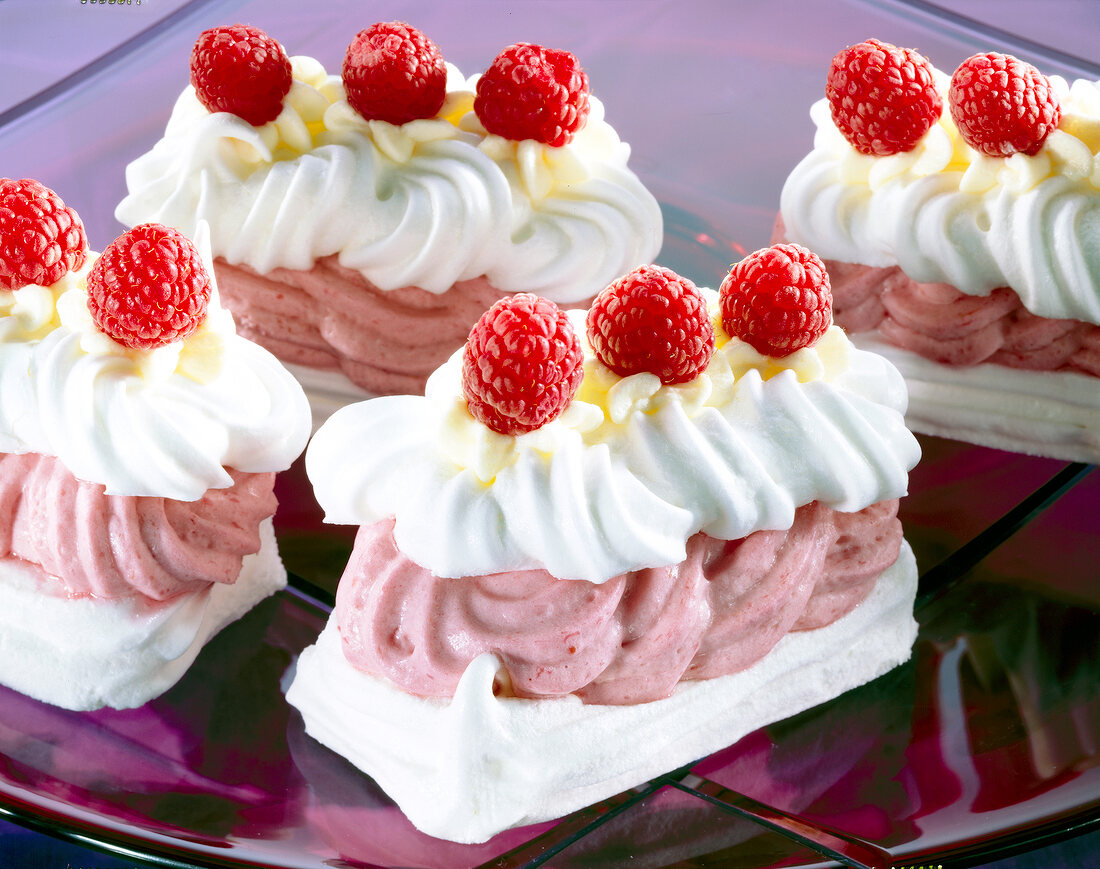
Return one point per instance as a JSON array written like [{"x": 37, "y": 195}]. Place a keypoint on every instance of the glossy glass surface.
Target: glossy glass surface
[
  {"x": 988, "y": 738},
  {"x": 989, "y": 733}
]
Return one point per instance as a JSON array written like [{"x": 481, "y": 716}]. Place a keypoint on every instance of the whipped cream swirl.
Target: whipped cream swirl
[
  {"x": 423, "y": 204},
  {"x": 629, "y": 471},
  {"x": 948, "y": 214},
  {"x": 163, "y": 423}
]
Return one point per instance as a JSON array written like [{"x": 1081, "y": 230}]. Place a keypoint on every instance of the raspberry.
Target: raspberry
[
  {"x": 652, "y": 320},
  {"x": 240, "y": 69},
  {"x": 149, "y": 288},
  {"x": 521, "y": 364},
  {"x": 41, "y": 238},
  {"x": 531, "y": 92},
  {"x": 882, "y": 98},
  {"x": 393, "y": 72},
  {"x": 777, "y": 299},
  {"x": 1002, "y": 105}
]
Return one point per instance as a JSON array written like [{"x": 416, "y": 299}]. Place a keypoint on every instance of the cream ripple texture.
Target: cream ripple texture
[
  {"x": 138, "y": 484},
  {"x": 630, "y": 471},
  {"x": 468, "y": 767},
  {"x": 85, "y": 652},
  {"x": 162, "y": 423},
  {"x": 947, "y": 214},
  {"x": 625, "y": 478},
  {"x": 424, "y": 204}
]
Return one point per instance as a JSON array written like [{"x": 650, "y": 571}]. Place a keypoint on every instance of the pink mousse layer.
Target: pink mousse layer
[
  {"x": 331, "y": 317},
  {"x": 88, "y": 543},
  {"x": 628, "y": 640},
  {"x": 941, "y": 323}
]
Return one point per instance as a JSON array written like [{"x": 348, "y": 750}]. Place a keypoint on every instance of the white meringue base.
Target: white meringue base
[
  {"x": 86, "y": 653},
  {"x": 467, "y": 768},
  {"x": 1041, "y": 413}
]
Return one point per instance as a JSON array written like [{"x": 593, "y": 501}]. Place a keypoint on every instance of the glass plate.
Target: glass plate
[
  {"x": 988, "y": 737},
  {"x": 985, "y": 741}
]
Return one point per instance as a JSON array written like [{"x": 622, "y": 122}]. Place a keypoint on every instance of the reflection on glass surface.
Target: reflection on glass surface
[
  {"x": 205, "y": 761},
  {"x": 995, "y": 724},
  {"x": 992, "y": 729},
  {"x": 674, "y": 828},
  {"x": 958, "y": 490},
  {"x": 842, "y": 764},
  {"x": 1027, "y": 670},
  {"x": 990, "y": 732}
]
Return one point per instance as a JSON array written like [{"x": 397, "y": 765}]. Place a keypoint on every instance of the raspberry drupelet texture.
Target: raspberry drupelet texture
[
  {"x": 393, "y": 72},
  {"x": 521, "y": 365},
  {"x": 41, "y": 238},
  {"x": 882, "y": 98},
  {"x": 652, "y": 320},
  {"x": 149, "y": 288},
  {"x": 1002, "y": 105},
  {"x": 238, "y": 68},
  {"x": 532, "y": 92},
  {"x": 777, "y": 299}
]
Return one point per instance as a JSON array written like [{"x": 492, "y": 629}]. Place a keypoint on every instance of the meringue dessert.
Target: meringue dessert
[
  {"x": 960, "y": 234},
  {"x": 601, "y": 546},
  {"x": 361, "y": 229},
  {"x": 139, "y": 441}
]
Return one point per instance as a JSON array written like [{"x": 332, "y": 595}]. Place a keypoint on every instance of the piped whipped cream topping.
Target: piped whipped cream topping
[
  {"x": 948, "y": 214},
  {"x": 605, "y": 402},
  {"x": 629, "y": 471},
  {"x": 423, "y": 204},
  {"x": 163, "y": 422}
]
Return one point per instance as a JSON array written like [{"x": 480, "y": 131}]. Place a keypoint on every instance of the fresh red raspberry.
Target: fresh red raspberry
[
  {"x": 149, "y": 288},
  {"x": 41, "y": 238},
  {"x": 531, "y": 92},
  {"x": 521, "y": 364},
  {"x": 652, "y": 320},
  {"x": 883, "y": 98},
  {"x": 1002, "y": 105},
  {"x": 777, "y": 299},
  {"x": 393, "y": 72},
  {"x": 240, "y": 69}
]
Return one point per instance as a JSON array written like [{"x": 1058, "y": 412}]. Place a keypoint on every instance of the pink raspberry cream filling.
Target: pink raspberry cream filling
[
  {"x": 331, "y": 318},
  {"x": 941, "y": 323},
  {"x": 90, "y": 544},
  {"x": 629, "y": 640}
]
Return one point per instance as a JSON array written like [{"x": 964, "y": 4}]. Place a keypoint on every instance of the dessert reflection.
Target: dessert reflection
[
  {"x": 1026, "y": 676},
  {"x": 840, "y": 764},
  {"x": 204, "y": 762},
  {"x": 996, "y": 711}
]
